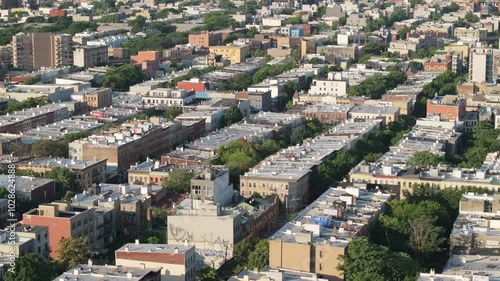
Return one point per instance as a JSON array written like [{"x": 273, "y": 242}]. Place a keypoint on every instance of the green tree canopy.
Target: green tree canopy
[
  {"x": 425, "y": 158},
  {"x": 63, "y": 177},
  {"x": 172, "y": 112},
  {"x": 178, "y": 181},
  {"x": 365, "y": 260},
  {"x": 231, "y": 116},
  {"x": 73, "y": 251},
  {"x": 30, "y": 267},
  {"x": 259, "y": 257},
  {"x": 32, "y": 80},
  {"x": 122, "y": 77},
  {"x": 46, "y": 148}
]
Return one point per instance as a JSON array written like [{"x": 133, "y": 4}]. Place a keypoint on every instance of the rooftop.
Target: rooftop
[
  {"x": 336, "y": 217},
  {"x": 155, "y": 248},
  {"x": 106, "y": 272},
  {"x": 25, "y": 184},
  {"x": 61, "y": 162},
  {"x": 372, "y": 109}
]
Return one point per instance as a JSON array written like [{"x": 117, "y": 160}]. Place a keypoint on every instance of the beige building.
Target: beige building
[
  {"x": 481, "y": 65},
  {"x": 471, "y": 33},
  {"x": 403, "y": 47},
  {"x": 477, "y": 222},
  {"x": 33, "y": 51},
  {"x": 231, "y": 52},
  {"x": 28, "y": 239},
  {"x": 89, "y": 56},
  {"x": 87, "y": 172},
  {"x": 314, "y": 240},
  {"x": 208, "y": 227},
  {"x": 365, "y": 112}
]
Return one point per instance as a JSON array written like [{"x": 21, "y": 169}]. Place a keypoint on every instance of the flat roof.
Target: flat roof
[
  {"x": 61, "y": 162},
  {"x": 106, "y": 272},
  {"x": 155, "y": 248}
]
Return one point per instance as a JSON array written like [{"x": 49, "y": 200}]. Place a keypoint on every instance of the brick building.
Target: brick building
[
  {"x": 205, "y": 39},
  {"x": 63, "y": 221},
  {"x": 177, "y": 262},
  {"x": 99, "y": 98},
  {"x": 438, "y": 65},
  {"x": 123, "y": 148},
  {"x": 448, "y": 107}
]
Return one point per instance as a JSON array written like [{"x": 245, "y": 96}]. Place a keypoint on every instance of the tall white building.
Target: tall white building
[{"x": 481, "y": 65}]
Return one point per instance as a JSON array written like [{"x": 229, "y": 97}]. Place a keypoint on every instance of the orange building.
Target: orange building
[
  {"x": 449, "y": 107},
  {"x": 438, "y": 65},
  {"x": 148, "y": 61},
  {"x": 57, "y": 13}
]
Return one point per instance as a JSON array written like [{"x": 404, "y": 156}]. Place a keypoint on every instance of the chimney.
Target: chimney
[
  {"x": 137, "y": 242},
  {"x": 90, "y": 263},
  {"x": 176, "y": 250}
]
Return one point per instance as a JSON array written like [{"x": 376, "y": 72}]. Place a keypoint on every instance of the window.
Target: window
[
  {"x": 320, "y": 266},
  {"x": 321, "y": 254}
]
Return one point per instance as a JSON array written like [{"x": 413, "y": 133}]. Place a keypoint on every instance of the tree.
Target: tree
[
  {"x": 63, "y": 177},
  {"x": 73, "y": 251},
  {"x": 71, "y": 137},
  {"x": 138, "y": 182},
  {"x": 425, "y": 158},
  {"x": 298, "y": 135},
  {"x": 259, "y": 257},
  {"x": 206, "y": 274},
  {"x": 315, "y": 60},
  {"x": 231, "y": 116},
  {"x": 32, "y": 80},
  {"x": 471, "y": 17},
  {"x": 415, "y": 64},
  {"x": 122, "y": 77},
  {"x": 364, "y": 259},
  {"x": 178, "y": 181},
  {"x": 138, "y": 24},
  {"x": 68, "y": 196},
  {"x": 30, "y": 267},
  {"x": 160, "y": 215},
  {"x": 46, "y": 148}
]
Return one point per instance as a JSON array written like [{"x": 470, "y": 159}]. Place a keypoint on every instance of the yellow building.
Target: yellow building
[
  {"x": 231, "y": 52},
  {"x": 459, "y": 48}
]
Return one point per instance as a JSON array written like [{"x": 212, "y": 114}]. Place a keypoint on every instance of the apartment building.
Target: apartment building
[
  {"x": 149, "y": 61},
  {"x": 313, "y": 241},
  {"x": 389, "y": 170},
  {"x": 87, "y": 172},
  {"x": 165, "y": 97},
  {"x": 331, "y": 52},
  {"x": 481, "y": 65},
  {"x": 326, "y": 113},
  {"x": 403, "y": 47},
  {"x": 39, "y": 190},
  {"x": 99, "y": 98},
  {"x": 89, "y": 56},
  {"x": 473, "y": 264},
  {"x": 126, "y": 146},
  {"x": 212, "y": 185},
  {"x": 205, "y": 39},
  {"x": 20, "y": 121},
  {"x": 476, "y": 222},
  {"x": 33, "y": 51},
  {"x": 329, "y": 87},
  {"x": 20, "y": 240},
  {"x": 63, "y": 221},
  {"x": 388, "y": 114},
  {"x": 147, "y": 172},
  {"x": 213, "y": 230},
  {"x": 55, "y": 93},
  {"x": 91, "y": 272},
  {"x": 438, "y": 65},
  {"x": 471, "y": 33},
  {"x": 129, "y": 205},
  {"x": 275, "y": 274},
  {"x": 231, "y": 52},
  {"x": 448, "y": 107},
  {"x": 177, "y": 262},
  {"x": 287, "y": 173}
]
